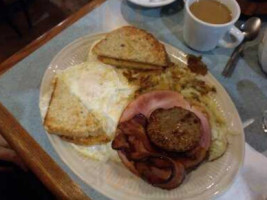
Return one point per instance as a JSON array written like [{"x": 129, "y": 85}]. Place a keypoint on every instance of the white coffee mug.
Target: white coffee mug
[{"x": 203, "y": 36}]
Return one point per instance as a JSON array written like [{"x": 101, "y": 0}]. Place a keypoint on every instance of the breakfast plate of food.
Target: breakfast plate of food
[{"x": 136, "y": 118}]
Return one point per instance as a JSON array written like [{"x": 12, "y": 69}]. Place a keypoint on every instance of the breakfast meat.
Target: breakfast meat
[
  {"x": 148, "y": 102},
  {"x": 205, "y": 139},
  {"x": 175, "y": 129},
  {"x": 131, "y": 47},
  {"x": 191, "y": 159},
  {"x": 142, "y": 159},
  {"x": 152, "y": 163}
]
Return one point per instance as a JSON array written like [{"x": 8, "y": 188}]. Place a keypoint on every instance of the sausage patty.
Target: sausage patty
[{"x": 174, "y": 129}]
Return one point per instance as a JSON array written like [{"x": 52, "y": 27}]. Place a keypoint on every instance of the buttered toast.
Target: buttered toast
[{"x": 131, "y": 47}]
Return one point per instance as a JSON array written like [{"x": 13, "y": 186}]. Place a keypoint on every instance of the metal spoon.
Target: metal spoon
[
  {"x": 250, "y": 30},
  {"x": 264, "y": 121}
]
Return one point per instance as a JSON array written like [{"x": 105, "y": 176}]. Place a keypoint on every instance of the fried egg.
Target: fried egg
[
  {"x": 105, "y": 92},
  {"x": 102, "y": 152}
]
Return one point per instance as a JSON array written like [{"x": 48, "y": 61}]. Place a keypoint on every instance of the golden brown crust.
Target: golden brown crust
[
  {"x": 90, "y": 140},
  {"x": 128, "y": 64},
  {"x": 131, "y": 44},
  {"x": 47, "y": 119},
  {"x": 67, "y": 116}
]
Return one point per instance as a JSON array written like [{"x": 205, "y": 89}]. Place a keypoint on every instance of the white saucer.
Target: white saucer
[{"x": 152, "y": 3}]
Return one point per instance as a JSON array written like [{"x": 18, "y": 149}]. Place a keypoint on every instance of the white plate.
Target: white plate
[
  {"x": 151, "y": 3},
  {"x": 113, "y": 179}
]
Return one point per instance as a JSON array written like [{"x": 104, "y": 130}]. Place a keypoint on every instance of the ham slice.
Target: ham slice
[
  {"x": 206, "y": 130},
  {"x": 148, "y": 102}
]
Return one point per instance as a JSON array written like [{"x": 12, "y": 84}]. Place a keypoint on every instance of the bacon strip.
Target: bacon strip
[
  {"x": 192, "y": 158},
  {"x": 163, "y": 173}
]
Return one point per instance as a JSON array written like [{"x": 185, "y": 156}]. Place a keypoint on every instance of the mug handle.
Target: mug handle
[{"x": 239, "y": 36}]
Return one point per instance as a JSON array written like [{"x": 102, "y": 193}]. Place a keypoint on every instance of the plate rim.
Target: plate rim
[
  {"x": 219, "y": 191},
  {"x": 151, "y": 5}
]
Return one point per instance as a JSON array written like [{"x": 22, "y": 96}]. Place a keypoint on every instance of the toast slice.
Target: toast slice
[
  {"x": 88, "y": 141},
  {"x": 127, "y": 64},
  {"x": 131, "y": 47},
  {"x": 70, "y": 119}
]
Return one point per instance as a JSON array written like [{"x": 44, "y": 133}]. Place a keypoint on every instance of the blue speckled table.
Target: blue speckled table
[{"x": 19, "y": 87}]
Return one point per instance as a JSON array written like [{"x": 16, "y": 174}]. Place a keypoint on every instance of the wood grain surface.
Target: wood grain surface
[
  {"x": 36, "y": 159},
  {"x": 53, "y": 177},
  {"x": 10, "y": 62}
]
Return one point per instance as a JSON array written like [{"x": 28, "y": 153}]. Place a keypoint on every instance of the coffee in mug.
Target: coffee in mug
[
  {"x": 206, "y": 22},
  {"x": 213, "y": 12}
]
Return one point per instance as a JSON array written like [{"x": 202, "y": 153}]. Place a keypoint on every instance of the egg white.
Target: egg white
[
  {"x": 102, "y": 89},
  {"x": 102, "y": 152}
]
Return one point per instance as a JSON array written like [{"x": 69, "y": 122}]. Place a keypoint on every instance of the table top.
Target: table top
[{"x": 19, "y": 86}]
